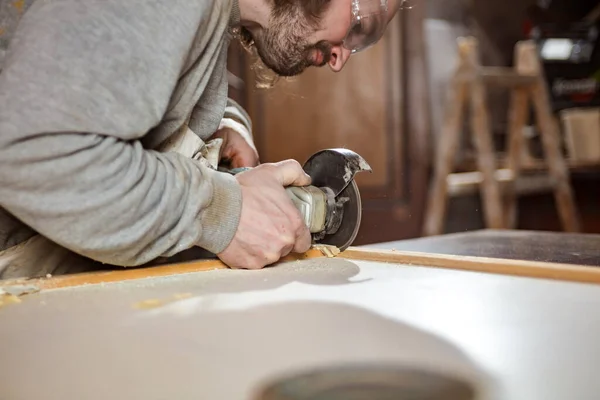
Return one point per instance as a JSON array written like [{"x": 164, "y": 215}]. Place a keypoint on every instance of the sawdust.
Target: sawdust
[
  {"x": 8, "y": 299},
  {"x": 327, "y": 250},
  {"x": 156, "y": 303},
  {"x": 12, "y": 294},
  {"x": 148, "y": 304},
  {"x": 19, "y": 290}
]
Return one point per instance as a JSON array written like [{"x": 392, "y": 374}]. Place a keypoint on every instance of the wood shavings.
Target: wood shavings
[
  {"x": 327, "y": 250},
  {"x": 147, "y": 304},
  {"x": 19, "y": 290},
  {"x": 11, "y": 294}
]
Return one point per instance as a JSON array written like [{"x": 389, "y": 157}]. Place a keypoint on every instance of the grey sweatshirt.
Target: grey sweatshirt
[{"x": 88, "y": 90}]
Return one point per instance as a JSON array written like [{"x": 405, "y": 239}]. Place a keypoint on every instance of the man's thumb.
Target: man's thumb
[{"x": 290, "y": 173}]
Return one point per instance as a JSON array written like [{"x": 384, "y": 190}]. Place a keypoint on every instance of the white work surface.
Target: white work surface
[{"x": 533, "y": 339}]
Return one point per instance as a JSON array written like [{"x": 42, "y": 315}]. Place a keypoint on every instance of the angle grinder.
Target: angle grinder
[{"x": 331, "y": 206}]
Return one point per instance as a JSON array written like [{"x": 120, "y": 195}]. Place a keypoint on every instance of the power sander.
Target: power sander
[{"x": 331, "y": 206}]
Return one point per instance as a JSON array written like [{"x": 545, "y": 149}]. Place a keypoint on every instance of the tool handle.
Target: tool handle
[{"x": 310, "y": 201}]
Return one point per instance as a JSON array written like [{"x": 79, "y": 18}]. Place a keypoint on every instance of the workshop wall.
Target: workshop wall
[{"x": 378, "y": 107}]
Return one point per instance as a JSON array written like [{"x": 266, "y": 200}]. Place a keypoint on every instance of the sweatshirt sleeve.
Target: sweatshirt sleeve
[
  {"x": 237, "y": 113},
  {"x": 81, "y": 84},
  {"x": 236, "y": 118}
]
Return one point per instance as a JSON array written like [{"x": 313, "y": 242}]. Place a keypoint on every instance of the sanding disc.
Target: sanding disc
[
  {"x": 350, "y": 225},
  {"x": 335, "y": 169}
]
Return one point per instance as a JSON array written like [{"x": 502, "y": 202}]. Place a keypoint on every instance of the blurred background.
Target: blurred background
[
  {"x": 389, "y": 102},
  {"x": 388, "y": 105}
]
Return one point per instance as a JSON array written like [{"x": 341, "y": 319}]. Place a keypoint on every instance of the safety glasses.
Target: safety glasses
[{"x": 369, "y": 20}]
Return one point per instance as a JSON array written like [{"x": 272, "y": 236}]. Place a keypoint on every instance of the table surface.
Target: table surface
[
  {"x": 222, "y": 334},
  {"x": 557, "y": 247}
]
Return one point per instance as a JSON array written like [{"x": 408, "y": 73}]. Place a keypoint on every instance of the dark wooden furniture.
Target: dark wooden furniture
[{"x": 566, "y": 248}]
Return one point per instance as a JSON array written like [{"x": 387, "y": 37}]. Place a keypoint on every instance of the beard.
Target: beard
[
  {"x": 288, "y": 54},
  {"x": 282, "y": 47}
]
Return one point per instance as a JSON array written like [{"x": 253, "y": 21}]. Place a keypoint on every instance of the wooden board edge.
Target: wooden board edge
[
  {"x": 500, "y": 266},
  {"x": 127, "y": 274}
]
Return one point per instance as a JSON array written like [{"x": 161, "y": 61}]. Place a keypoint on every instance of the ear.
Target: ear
[{"x": 339, "y": 57}]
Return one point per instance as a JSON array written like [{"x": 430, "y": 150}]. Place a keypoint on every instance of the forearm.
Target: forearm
[
  {"x": 114, "y": 201},
  {"x": 83, "y": 85}
]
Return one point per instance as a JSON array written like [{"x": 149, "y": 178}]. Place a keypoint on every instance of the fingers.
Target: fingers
[
  {"x": 290, "y": 173},
  {"x": 260, "y": 260},
  {"x": 236, "y": 149},
  {"x": 277, "y": 252},
  {"x": 295, "y": 225},
  {"x": 303, "y": 240},
  {"x": 281, "y": 230},
  {"x": 244, "y": 159},
  {"x": 287, "y": 249}
]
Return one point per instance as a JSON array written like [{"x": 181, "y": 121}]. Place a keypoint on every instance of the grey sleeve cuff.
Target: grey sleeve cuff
[
  {"x": 237, "y": 112},
  {"x": 220, "y": 219}
]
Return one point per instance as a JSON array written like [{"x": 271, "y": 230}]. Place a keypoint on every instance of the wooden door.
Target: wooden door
[{"x": 375, "y": 107}]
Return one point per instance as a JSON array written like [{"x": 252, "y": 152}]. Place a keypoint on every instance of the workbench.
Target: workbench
[
  {"x": 515, "y": 316},
  {"x": 551, "y": 247}
]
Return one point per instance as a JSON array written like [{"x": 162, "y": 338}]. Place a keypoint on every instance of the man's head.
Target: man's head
[{"x": 291, "y": 35}]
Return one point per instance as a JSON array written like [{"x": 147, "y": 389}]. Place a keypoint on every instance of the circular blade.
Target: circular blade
[
  {"x": 334, "y": 168},
  {"x": 350, "y": 225}
]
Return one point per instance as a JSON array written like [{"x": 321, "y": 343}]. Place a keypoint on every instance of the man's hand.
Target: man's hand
[
  {"x": 270, "y": 225},
  {"x": 236, "y": 148}
]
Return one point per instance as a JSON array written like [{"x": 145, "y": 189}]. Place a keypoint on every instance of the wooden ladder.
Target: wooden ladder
[{"x": 528, "y": 89}]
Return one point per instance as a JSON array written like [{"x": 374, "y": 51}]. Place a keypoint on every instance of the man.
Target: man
[{"x": 107, "y": 114}]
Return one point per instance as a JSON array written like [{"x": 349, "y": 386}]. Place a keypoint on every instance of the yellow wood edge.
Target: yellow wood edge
[
  {"x": 522, "y": 268},
  {"x": 126, "y": 274},
  {"x": 500, "y": 266}
]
